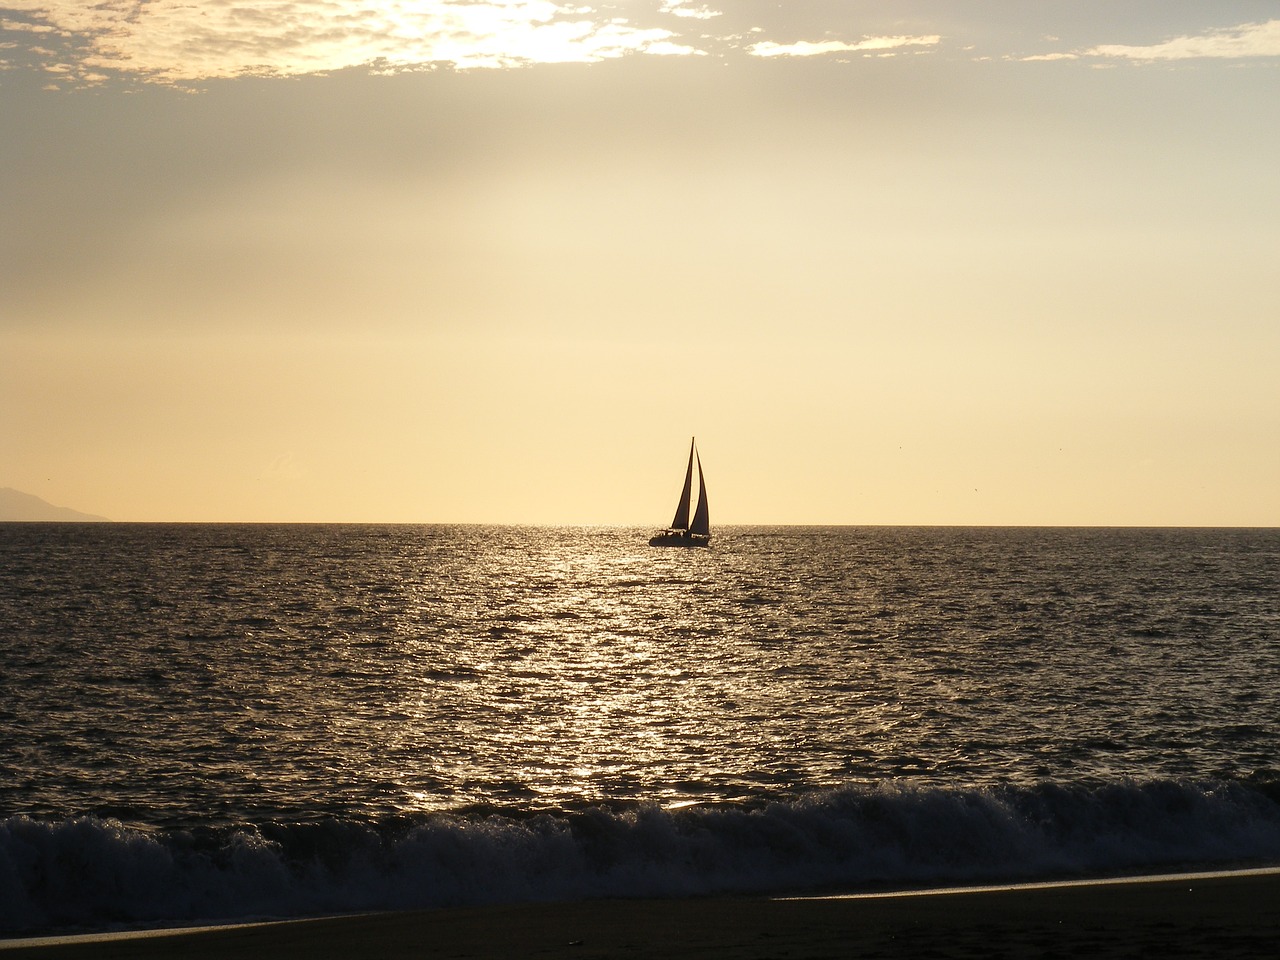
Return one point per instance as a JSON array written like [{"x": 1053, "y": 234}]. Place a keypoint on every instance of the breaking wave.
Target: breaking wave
[{"x": 90, "y": 873}]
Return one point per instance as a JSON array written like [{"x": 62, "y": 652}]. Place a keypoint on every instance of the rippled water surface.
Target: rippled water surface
[
  {"x": 180, "y": 670},
  {"x": 228, "y": 678}
]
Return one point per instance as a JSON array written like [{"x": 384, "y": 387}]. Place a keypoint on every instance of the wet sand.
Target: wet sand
[{"x": 1231, "y": 915}]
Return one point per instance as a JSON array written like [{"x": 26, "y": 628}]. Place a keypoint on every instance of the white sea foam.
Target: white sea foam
[{"x": 92, "y": 874}]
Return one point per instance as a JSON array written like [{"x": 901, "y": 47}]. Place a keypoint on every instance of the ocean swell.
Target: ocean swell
[{"x": 90, "y": 873}]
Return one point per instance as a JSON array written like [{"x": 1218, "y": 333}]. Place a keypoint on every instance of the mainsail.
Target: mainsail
[{"x": 681, "y": 521}]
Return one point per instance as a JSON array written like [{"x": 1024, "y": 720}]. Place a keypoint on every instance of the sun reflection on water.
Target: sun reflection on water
[{"x": 587, "y": 672}]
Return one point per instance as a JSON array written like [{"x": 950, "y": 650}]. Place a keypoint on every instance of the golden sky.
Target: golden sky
[{"x": 922, "y": 262}]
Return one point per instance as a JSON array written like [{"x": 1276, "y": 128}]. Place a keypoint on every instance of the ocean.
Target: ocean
[{"x": 201, "y": 723}]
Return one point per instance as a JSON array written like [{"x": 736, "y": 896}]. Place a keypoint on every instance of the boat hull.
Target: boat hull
[{"x": 680, "y": 539}]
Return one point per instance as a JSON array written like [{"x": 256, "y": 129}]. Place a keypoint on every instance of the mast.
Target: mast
[
  {"x": 702, "y": 516},
  {"x": 681, "y": 521}
]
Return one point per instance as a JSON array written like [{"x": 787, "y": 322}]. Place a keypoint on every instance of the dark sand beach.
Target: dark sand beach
[{"x": 1232, "y": 915}]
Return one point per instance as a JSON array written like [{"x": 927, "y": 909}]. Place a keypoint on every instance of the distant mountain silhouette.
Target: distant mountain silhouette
[{"x": 16, "y": 505}]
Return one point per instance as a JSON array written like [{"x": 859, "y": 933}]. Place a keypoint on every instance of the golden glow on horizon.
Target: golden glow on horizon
[{"x": 950, "y": 287}]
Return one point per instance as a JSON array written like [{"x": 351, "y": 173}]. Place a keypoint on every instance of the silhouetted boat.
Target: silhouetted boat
[{"x": 682, "y": 533}]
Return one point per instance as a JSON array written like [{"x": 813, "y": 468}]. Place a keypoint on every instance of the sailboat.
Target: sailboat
[{"x": 682, "y": 533}]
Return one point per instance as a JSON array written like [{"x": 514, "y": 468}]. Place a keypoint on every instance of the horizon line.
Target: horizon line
[{"x": 585, "y": 525}]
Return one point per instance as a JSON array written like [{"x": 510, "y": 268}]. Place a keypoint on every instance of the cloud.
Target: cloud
[
  {"x": 180, "y": 42},
  {"x": 808, "y": 48},
  {"x": 22, "y": 26},
  {"x": 1246, "y": 40},
  {"x": 176, "y": 40},
  {"x": 682, "y": 8}
]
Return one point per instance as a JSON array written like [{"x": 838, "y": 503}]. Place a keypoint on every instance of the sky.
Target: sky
[{"x": 903, "y": 262}]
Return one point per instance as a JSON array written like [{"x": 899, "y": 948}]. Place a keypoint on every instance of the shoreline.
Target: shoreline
[{"x": 1225, "y": 913}]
